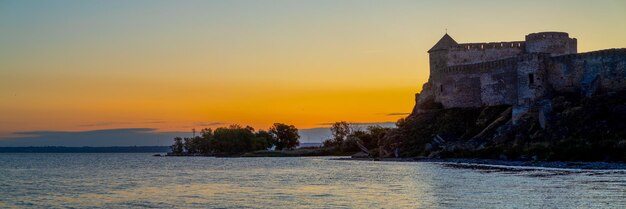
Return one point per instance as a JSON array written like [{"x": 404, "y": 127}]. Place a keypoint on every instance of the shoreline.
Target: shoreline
[
  {"x": 506, "y": 164},
  {"x": 471, "y": 163}
]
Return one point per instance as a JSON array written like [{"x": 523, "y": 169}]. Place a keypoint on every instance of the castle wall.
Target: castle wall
[
  {"x": 589, "y": 73},
  {"x": 527, "y": 78},
  {"x": 483, "y": 52},
  {"x": 488, "y": 83},
  {"x": 531, "y": 78}
]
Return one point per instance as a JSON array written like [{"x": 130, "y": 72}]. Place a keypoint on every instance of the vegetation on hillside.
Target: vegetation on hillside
[{"x": 576, "y": 129}]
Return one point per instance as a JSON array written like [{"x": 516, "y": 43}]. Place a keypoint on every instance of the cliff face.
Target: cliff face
[{"x": 566, "y": 127}]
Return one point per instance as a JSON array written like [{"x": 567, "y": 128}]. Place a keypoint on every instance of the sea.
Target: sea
[{"x": 140, "y": 180}]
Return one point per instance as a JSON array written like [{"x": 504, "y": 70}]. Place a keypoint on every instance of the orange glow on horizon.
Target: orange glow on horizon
[{"x": 175, "y": 66}]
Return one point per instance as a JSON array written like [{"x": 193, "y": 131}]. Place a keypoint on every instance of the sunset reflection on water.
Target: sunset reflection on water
[{"x": 139, "y": 180}]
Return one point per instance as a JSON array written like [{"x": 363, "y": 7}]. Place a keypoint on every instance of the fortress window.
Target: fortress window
[
  {"x": 531, "y": 79},
  {"x": 441, "y": 88}
]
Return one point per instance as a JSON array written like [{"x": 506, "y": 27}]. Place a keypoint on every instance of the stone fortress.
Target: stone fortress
[
  {"x": 518, "y": 73},
  {"x": 523, "y": 74}
]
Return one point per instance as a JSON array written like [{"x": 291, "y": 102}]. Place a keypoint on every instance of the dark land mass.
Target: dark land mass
[
  {"x": 569, "y": 128},
  {"x": 132, "y": 149},
  {"x": 506, "y": 165}
]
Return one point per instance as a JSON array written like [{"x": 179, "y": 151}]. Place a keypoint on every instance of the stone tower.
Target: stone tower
[
  {"x": 554, "y": 43},
  {"x": 439, "y": 54}
]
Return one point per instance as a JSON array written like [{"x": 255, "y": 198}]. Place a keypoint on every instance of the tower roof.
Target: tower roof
[{"x": 445, "y": 42}]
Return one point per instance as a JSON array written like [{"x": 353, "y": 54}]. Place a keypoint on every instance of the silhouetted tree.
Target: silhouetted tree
[
  {"x": 204, "y": 146},
  {"x": 346, "y": 138},
  {"x": 340, "y": 131},
  {"x": 376, "y": 134},
  {"x": 178, "y": 146},
  {"x": 194, "y": 145},
  {"x": 265, "y": 139},
  {"x": 236, "y": 139},
  {"x": 285, "y": 136}
]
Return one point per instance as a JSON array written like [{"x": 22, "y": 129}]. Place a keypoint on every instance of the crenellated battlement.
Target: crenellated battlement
[
  {"x": 546, "y": 35},
  {"x": 447, "y": 52},
  {"x": 489, "y": 45}
]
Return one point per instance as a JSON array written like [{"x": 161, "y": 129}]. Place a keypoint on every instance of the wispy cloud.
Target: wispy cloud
[
  {"x": 118, "y": 123},
  {"x": 107, "y": 123},
  {"x": 90, "y": 131},
  {"x": 214, "y": 123},
  {"x": 200, "y": 124},
  {"x": 155, "y": 122},
  {"x": 397, "y": 113},
  {"x": 94, "y": 138},
  {"x": 362, "y": 123}
]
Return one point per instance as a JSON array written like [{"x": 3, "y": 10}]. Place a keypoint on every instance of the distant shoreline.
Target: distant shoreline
[{"x": 112, "y": 149}]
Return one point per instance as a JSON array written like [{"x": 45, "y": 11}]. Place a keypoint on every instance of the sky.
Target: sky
[{"x": 164, "y": 67}]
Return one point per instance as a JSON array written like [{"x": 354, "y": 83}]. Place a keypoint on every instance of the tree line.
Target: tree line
[
  {"x": 349, "y": 139},
  {"x": 234, "y": 139},
  {"x": 237, "y": 139}
]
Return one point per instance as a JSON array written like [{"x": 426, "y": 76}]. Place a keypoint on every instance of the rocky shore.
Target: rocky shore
[{"x": 507, "y": 164}]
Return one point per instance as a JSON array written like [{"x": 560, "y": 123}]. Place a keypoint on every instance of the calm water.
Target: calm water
[{"x": 140, "y": 180}]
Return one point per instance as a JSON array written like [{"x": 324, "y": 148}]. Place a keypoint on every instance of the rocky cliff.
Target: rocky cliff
[{"x": 567, "y": 127}]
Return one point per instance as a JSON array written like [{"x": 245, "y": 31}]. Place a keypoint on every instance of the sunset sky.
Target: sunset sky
[{"x": 170, "y": 66}]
